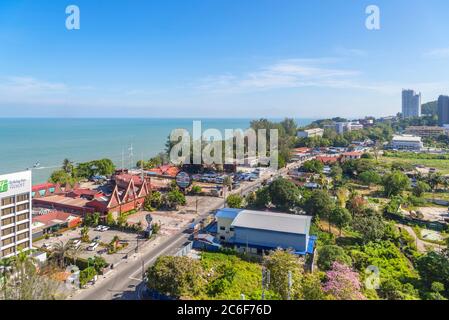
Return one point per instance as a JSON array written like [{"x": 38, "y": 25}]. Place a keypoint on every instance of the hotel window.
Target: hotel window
[
  {"x": 7, "y": 231},
  {"x": 23, "y": 207},
  {"x": 7, "y": 241},
  {"x": 222, "y": 228},
  {"x": 5, "y": 222},
  {"x": 7, "y": 201},
  {"x": 7, "y": 251},
  {"x": 23, "y": 226},
  {"x": 22, "y": 236},
  {"x": 7, "y": 211},
  {"x": 23, "y": 216},
  {"x": 23, "y": 197}
]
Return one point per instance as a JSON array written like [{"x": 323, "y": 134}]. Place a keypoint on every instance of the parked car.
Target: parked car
[
  {"x": 47, "y": 246},
  {"x": 99, "y": 228},
  {"x": 76, "y": 243},
  {"x": 104, "y": 228},
  {"x": 92, "y": 246},
  {"x": 96, "y": 239}
]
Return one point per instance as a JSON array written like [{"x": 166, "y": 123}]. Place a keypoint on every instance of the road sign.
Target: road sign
[{"x": 183, "y": 180}]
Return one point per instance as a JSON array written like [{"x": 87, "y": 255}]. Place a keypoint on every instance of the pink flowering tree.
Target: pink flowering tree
[{"x": 343, "y": 283}]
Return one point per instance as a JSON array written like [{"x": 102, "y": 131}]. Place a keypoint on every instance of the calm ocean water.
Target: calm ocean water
[{"x": 24, "y": 142}]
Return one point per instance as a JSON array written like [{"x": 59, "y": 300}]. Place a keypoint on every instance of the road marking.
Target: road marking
[{"x": 135, "y": 279}]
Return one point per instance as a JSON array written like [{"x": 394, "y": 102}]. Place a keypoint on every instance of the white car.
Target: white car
[
  {"x": 104, "y": 228},
  {"x": 47, "y": 246},
  {"x": 92, "y": 246},
  {"x": 99, "y": 228},
  {"x": 76, "y": 243}
]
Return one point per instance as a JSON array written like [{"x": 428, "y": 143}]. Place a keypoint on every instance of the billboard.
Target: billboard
[{"x": 15, "y": 183}]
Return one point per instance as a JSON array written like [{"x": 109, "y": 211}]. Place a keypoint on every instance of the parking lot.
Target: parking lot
[{"x": 104, "y": 238}]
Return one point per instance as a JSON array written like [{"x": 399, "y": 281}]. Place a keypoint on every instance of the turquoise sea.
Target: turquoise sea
[{"x": 27, "y": 141}]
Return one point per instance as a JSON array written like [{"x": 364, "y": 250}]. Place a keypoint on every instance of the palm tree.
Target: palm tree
[
  {"x": 74, "y": 252},
  {"x": 60, "y": 251},
  {"x": 84, "y": 234},
  {"x": 67, "y": 166}
]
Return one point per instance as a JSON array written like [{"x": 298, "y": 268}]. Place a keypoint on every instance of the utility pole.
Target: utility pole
[
  {"x": 265, "y": 281},
  {"x": 290, "y": 282}
]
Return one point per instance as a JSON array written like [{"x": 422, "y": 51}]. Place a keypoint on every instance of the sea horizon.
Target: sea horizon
[{"x": 47, "y": 141}]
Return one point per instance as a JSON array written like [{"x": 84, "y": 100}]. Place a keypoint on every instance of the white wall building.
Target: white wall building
[
  {"x": 411, "y": 104},
  {"x": 407, "y": 142},
  {"x": 15, "y": 213},
  {"x": 316, "y": 132}
]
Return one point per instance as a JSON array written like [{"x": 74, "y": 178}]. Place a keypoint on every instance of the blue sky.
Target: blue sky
[{"x": 219, "y": 58}]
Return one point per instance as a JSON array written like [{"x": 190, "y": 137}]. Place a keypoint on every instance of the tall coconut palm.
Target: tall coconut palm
[
  {"x": 60, "y": 252},
  {"x": 67, "y": 166}
]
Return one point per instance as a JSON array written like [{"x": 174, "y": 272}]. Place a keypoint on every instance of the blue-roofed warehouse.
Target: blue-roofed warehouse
[{"x": 257, "y": 231}]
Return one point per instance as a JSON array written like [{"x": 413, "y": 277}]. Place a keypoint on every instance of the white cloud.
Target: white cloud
[
  {"x": 350, "y": 52},
  {"x": 291, "y": 73},
  {"x": 440, "y": 53}
]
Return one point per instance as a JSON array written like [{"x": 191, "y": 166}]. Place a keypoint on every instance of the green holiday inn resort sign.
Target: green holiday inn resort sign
[{"x": 3, "y": 186}]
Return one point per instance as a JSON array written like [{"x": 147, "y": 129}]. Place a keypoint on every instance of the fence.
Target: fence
[{"x": 185, "y": 250}]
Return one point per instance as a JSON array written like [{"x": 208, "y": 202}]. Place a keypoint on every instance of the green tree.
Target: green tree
[
  {"x": 328, "y": 254},
  {"x": 259, "y": 199},
  {"x": 395, "y": 183},
  {"x": 176, "y": 198},
  {"x": 434, "y": 267},
  {"x": 319, "y": 204},
  {"x": 67, "y": 166},
  {"x": 85, "y": 234},
  {"x": 196, "y": 190},
  {"x": 153, "y": 201},
  {"x": 370, "y": 226},
  {"x": 311, "y": 287},
  {"x": 110, "y": 219},
  {"x": 313, "y": 166},
  {"x": 420, "y": 188},
  {"x": 340, "y": 217},
  {"x": 284, "y": 194},
  {"x": 178, "y": 277},
  {"x": 337, "y": 175},
  {"x": 370, "y": 177},
  {"x": 87, "y": 275},
  {"x": 234, "y": 201},
  {"x": 280, "y": 263},
  {"x": 61, "y": 177}
]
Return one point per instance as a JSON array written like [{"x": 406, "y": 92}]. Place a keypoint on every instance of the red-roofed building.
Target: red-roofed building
[
  {"x": 85, "y": 193},
  {"x": 122, "y": 180},
  {"x": 121, "y": 200},
  {"x": 52, "y": 222},
  {"x": 165, "y": 170},
  {"x": 328, "y": 160}
]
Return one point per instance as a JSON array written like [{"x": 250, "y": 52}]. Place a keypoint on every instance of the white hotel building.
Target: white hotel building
[{"x": 15, "y": 213}]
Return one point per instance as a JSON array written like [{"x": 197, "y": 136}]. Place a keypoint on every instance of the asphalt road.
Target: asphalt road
[{"x": 125, "y": 281}]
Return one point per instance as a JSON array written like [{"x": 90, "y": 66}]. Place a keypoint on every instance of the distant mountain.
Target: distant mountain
[{"x": 430, "y": 108}]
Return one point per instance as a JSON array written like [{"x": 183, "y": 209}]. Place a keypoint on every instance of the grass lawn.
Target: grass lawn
[{"x": 441, "y": 165}]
